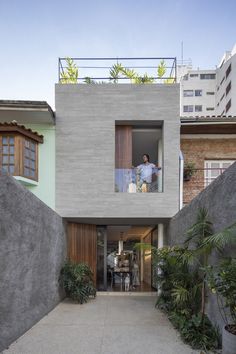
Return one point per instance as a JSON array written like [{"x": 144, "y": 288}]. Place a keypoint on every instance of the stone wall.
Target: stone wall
[
  {"x": 198, "y": 150},
  {"x": 219, "y": 198},
  {"x": 32, "y": 252}
]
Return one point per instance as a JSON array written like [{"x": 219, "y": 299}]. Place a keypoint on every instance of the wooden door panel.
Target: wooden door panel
[
  {"x": 82, "y": 245},
  {"x": 123, "y": 146}
]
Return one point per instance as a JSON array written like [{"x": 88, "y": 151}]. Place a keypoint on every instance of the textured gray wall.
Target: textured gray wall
[
  {"x": 85, "y": 149},
  {"x": 32, "y": 251},
  {"x": 219, "y": 198}
]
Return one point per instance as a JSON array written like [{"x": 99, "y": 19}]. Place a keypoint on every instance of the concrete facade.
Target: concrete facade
[
  {"x": 219, "y": 199},
  {"x": 32, "y": 252},
  {"x": 85, "y": 149},
  {"x": 199, "y": 103}
]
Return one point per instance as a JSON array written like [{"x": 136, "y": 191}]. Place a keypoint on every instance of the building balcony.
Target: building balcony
[{"x": 134, "y": 180}]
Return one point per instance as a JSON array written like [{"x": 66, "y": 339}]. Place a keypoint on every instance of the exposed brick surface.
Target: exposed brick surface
[{"x": 199, "y": 150}]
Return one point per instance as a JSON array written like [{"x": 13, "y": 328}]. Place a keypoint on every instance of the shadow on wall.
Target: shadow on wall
[{"x": 32, "y": 251}]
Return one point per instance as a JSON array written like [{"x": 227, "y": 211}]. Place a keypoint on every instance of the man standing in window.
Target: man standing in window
[{"x": 145, "y": 173}]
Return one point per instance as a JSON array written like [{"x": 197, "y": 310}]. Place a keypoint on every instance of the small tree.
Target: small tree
[
  {"x": 197, "y": 234},
  {"x": 70, "y": 74},
  {"x": 222, "y": 282}
]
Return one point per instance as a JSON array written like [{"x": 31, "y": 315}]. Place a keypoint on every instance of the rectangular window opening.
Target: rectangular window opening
[
  {"x": 138, "y": 155},
  {"x": 214, "y": 168}
]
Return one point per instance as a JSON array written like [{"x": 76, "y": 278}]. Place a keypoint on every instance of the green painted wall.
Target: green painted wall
[{"x": 46, "y": 186}]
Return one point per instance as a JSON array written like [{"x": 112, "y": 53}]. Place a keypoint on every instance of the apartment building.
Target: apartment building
[
  {"x": 197, "y": 93},
  {"x": 209, "y": 92},
  {"x": 226, "y": 84}
]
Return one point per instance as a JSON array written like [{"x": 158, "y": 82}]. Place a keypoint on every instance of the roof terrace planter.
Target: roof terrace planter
[
  {"x": 19, "y": 152},
  {"x": 117, "y": 70}
]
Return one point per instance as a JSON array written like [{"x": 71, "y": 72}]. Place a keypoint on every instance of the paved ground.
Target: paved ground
[{"x": 106, "y": 325}]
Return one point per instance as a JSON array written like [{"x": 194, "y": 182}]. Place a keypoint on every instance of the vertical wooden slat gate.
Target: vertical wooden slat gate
[{"x": 82, "y": 245}]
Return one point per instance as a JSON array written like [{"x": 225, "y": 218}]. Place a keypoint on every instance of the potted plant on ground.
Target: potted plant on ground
[
  {"x": 189, "y": 170},
  {"x": 77, "y": 281},
  {"x": 222, "y": 282}
]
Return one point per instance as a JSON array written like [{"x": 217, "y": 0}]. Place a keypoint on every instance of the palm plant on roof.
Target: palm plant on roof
[
  {"x": 70, "y": 73},
  {"x": 118, "y": 71}
]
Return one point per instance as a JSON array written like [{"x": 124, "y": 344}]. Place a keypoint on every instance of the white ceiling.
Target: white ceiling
[{"x": 115, "y": 233}]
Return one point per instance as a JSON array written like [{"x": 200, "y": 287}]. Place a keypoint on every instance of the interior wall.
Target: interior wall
[{"x": 145, "y": 141}]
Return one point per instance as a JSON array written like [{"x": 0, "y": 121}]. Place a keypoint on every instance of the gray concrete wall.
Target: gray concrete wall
[
  {"x": 32, "y": 251},
  {"x": 219, "y": 198},
  {"x": 85, "y": 149}
]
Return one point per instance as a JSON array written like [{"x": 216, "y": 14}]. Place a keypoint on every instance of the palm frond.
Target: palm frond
[
  {"x": 115, "y": 71},
  {"x": 144, "y": 247},
  {"x": 201, "y": 229},
  {"x": 88, "y": 80},
  {"x": 180, "y": 295},
  {"x": 221, "y": 239},
  {"x": 161, "y": 69},
  {"x": 70, "y": 74}
]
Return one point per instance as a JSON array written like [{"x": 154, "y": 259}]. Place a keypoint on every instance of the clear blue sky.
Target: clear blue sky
[{"x": 34, "y": 33}]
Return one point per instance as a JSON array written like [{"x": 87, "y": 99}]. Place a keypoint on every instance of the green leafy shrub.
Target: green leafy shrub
[
  {"x": 222, "y": 282},
  {"x": 181, "y": 281},
  {"x": 199, "y": 333},
  {"x": 77, "y": 280},
  {"x": 180, "y": 286}
]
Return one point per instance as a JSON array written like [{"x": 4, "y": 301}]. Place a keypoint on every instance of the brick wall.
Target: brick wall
[{"x": 198, "y": 150}]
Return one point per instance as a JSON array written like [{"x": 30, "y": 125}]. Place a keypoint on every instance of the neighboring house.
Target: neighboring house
[
  {"x": 209, "y": 92},
  {"x": 27, "y": 146},
  {"x": 209, "y": 143}
]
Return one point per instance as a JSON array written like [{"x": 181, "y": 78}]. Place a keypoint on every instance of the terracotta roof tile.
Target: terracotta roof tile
[{"x": 22, "y": 128}]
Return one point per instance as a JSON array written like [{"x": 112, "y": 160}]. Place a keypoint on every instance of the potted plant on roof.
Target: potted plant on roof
[{"x": 189, "y": 170}]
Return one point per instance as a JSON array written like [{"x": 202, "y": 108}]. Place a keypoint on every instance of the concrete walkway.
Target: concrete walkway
[{"x": 106, "y": 325}]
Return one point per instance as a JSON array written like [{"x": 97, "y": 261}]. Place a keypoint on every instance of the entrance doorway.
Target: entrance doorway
[{"x": 120, "y": 265}]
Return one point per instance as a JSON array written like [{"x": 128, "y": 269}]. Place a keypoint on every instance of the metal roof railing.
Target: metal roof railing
[{"x": 98, "y": 70}]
